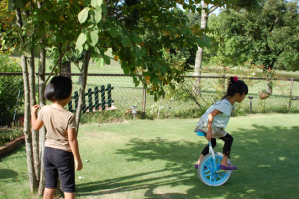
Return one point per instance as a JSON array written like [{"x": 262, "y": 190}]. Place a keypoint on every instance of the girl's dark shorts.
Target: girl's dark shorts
[{"x": 57, "y": 161}]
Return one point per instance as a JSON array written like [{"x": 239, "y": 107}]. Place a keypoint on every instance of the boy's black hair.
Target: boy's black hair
[
  {"x": 236, "y": 87},
  {"x": 59, "y": 88}
]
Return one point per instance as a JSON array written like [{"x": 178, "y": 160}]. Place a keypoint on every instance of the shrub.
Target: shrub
[
  {"x": 9, "y": 88},
  {"x": 8, "y": 135}
]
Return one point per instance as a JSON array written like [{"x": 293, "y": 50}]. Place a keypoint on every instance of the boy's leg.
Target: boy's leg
[
  {"x": 51, "y": 173},
  {"x": 49, "y": 193},
  {"x": 66, "y": 169}
]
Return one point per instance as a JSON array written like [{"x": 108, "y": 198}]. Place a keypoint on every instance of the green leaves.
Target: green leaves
[
  {"x": 81, "y": 40},
  {"x": 114, "y": 31},
  {"x": 95, "y": 3},
  {"x": 98, "y": 14},
  {"x": 200, "y": 42},
  {"x": 207, "y": 41},
  {"x": 106, "y": 59},
  {"x": 92, "y": 38},
  {"x": 126, "y": 41},
  {"x": 82, "y": 16},
  {"x": 137, "y": 40}
]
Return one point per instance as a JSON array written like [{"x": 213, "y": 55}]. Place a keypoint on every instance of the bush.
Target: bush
[
  {"x": 9, "y": 89},
  {"x": 8, "y": 135}
]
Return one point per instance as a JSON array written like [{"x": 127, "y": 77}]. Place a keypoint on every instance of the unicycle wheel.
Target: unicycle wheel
[{"x": 213, "y": 176}]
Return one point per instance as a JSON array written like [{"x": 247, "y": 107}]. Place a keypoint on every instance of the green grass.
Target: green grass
[{"x": 155, "y": 159}]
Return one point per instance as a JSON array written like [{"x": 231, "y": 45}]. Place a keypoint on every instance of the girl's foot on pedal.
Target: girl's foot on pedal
[{"x": 229, "y": 167}]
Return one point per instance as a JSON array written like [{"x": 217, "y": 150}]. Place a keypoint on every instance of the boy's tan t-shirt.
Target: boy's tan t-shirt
[{"x": 57, "y": 121}]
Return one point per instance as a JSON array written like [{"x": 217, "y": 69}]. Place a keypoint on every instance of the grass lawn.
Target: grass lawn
[{"x": 155, "y": 159}]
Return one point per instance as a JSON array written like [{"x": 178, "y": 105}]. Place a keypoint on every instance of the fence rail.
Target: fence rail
[{"x": 182, "y": 102}]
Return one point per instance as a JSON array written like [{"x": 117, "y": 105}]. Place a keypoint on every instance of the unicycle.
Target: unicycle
[{"x": 209, "y": 171}]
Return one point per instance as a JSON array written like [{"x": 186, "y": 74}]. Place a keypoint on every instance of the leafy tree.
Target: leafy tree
[
  {"x": 228, "y": 48},
  {"x": 137, "y": 31},
  {"x": 272, "y": 29},
  {"x": 266, "y": 36},
  {"x": 207, "y": 10}
]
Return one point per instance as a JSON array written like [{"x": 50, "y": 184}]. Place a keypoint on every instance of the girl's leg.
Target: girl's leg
[
  {"x": 69, "y": 195},
  {"x": 228, "y": 141},
  {"x": 49, "y": 193},
  {"x": 205, "y": 151}
]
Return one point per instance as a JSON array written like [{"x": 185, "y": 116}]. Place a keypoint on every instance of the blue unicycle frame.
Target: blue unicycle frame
[
  {"x": 211, "y": 150},
  {"x": 209, "y": 171}
]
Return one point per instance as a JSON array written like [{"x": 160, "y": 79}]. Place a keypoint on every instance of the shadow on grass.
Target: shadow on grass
[
  {"x": 7, "y": 173},
  {"x": 266, "y": 157}
]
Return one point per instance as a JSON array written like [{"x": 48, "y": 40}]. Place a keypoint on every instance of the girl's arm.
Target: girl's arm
[
  {"x": 36, "y": 123},
  {"x": 210, "y": 121},
  {"x": 72, "y": 137}
]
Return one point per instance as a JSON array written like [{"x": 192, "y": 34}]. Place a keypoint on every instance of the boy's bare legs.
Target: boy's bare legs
[
  {"x": 49, "y": 193},
  {"x": 69, "y": 195}
]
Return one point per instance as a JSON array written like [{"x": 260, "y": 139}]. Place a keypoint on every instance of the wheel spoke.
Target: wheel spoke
[{"x": 209, "y": 175}]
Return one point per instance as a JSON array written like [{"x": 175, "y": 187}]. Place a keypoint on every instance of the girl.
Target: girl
[
  {"x": 61, "y": 146},
  {"x": 215, "y": 119}
]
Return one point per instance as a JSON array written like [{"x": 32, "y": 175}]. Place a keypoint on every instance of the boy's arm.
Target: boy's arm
[
  {"x": 72, "y": 138},
  {"x": 210, "y": 122},
  {"x": 36, "y": 123}
]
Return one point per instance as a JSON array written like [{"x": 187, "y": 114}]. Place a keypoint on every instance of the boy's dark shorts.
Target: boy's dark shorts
[{"x": 57, "y": 161}]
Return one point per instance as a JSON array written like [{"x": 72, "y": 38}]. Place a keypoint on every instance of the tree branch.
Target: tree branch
[
  {"x": 59, "y": 60},
  {"x": 212, "y": 9}
]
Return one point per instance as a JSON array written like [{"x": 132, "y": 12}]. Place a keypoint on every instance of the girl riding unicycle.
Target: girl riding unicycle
[{"x": 214, "y": 169}]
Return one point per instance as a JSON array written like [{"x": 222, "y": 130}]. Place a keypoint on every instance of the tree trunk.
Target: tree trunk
[
  {"x": 35, "y": 139},
  {"x": 31, "y": 173},
  {"x": 59, "y": 63},
  {"x": 42, "y": 131},
  {"x": 199, "y": 53},
  {"x": 82, "y": 89},
  {"x": 28, "y": 140},
  {"x": 66, "y": 68}
]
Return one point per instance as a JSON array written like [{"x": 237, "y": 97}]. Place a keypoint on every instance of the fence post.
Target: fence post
[
  {"x": 76, "y": 96},
  {"x": 84, "y": 104},
  {"x": 143, "y": 102},
  {"x": 89, "y": 94},
  {"x": 96, "y": 98},
  {"x": 103, "y": 102},
  {"x": 109, "y": 100},
  {"x": 291, "y": 91},
  {"x": 70, "y": 106}
]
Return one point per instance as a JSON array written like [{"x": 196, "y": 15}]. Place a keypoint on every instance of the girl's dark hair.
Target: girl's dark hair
[
  {"x": 236, "y": 86},
  {"x": 59, "y": 88}
]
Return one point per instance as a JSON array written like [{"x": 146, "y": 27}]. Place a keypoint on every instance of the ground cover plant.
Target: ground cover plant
[
  {"x": 155, "y": 159},
  {"x": 9, "y": 134}
]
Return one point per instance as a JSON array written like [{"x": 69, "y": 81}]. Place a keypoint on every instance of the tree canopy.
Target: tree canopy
[{"x": 266, "y": 36}]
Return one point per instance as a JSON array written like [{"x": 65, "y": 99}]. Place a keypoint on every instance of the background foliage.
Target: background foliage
[{"x": 9, "y": 87}]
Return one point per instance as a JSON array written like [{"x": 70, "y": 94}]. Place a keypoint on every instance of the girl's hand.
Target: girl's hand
[
  {"x": 35, "y": 108},
  {"x": 79, "y": 164},
  {"x": 209, "y": 136}
]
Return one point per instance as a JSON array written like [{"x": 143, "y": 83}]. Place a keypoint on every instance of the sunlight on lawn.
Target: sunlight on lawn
[{"x": 123, "y": 160}]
